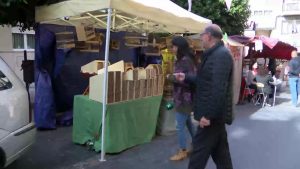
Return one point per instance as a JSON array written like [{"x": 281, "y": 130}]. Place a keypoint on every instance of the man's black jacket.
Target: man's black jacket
[{"x": 214, "y": 81}]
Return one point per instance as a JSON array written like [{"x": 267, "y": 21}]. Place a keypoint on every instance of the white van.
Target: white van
[{"x": 17, "y": 132}]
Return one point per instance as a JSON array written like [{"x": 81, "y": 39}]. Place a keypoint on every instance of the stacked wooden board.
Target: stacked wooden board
[{"x": 127, "y": 85}]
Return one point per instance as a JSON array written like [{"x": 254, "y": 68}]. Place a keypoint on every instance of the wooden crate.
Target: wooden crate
[
  {"x": 90, "y": 46},
  {"x": 160, "y": 84},
  {"x": 114, "y": 87},
  {"x": 135, "y": 74},
  {"x": 143, "y": 88},
  {"x": 154, "y": 87},
  {"x": 118, "y": 87},
  {"x": 111, "y": 87},
  {"x": 150, "y": 73},
  {"x": 92, "y": 67},
  {"x": 131, "y": 90},
  {"x": 114, "y": 44},
  {"x": 85, "y": 33},
  {"x": 80, "y": 32},
  {"x": 125, "y": 90},
  {"x": 153, "y": 70},
  {"x": 65, "y": 40},
  {"x": 136, "y": 41},
  {"x": 100, "y": 37},
  {"x": 128, "y": 66},
  {"x": 136, "y": 89},
  {"x": 149, "y": 87},
  {"x": 90, "y": 32}
]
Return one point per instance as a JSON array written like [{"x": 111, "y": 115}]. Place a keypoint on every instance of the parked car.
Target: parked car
[{"x": 17, "y": 131}]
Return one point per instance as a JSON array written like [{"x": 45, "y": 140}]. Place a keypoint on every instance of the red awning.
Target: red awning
[{"x": 272, "y": 48}]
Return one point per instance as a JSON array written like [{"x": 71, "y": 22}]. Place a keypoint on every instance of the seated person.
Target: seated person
[
  {"x": 264, "y": 78},
  {"x": 250, "y": 79}
]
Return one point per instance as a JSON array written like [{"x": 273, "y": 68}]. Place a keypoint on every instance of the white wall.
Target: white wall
[
  {"x": 270, "y": 10},
  {"x": 6, "y": 43},
  {"x": 12, "y": 57}
]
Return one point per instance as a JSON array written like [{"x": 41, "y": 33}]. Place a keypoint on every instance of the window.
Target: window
[
  {"x": 294, "y": 6},
  {"x": 257, "y": 13},
  {"x": 290, "y": 27},
  {"x": 4, "y": 82},
  {"x": 267, "y": 12},
  {"x": 30, "y": 41},
  {"x": 18, "y": 41},
  {"x": 22, "y": 40}
]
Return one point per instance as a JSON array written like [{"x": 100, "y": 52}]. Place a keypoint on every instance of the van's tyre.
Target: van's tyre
[{"x": 2, "y": 159}]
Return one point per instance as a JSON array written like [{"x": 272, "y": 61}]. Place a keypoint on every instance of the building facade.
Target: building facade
[
  {"x": 263, "y": 16},
  {"x": 13, "y": 42},
  {"x": 278, "y": 19},
  {"x": 288, "y": 23}
]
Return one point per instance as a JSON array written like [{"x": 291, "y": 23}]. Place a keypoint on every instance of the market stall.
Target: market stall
[{"x": 141, "y": 16}]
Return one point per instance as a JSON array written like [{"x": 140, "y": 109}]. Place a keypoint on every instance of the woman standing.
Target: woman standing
[{"x": 182, "y": 94}]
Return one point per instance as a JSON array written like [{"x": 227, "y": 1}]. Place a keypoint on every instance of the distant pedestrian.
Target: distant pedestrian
[
  {"x": 213, "y": 101},
  {"x": 294, "y": 77},
  {"x": 182, "y": 94}
]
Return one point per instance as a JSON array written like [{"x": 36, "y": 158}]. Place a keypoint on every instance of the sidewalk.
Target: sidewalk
[{"x": 260, "y": 138}]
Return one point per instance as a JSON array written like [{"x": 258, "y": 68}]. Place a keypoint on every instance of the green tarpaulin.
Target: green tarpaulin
[{"x": 127, "y": 123}]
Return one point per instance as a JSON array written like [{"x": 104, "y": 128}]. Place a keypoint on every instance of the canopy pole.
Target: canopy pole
[{"x": 104, "y": 90}]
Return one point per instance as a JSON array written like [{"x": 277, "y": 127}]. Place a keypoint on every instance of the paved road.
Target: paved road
[{"x": 260, "y": 138}]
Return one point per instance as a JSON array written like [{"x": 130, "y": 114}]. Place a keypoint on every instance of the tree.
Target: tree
[
  {"x": 20, "y": 12},
  {"x": 233, "y": 21}
]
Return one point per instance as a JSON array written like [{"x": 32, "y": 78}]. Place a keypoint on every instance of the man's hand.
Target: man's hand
[
  {"x": 179, "y": 76},
  {"x": 204, "y": 122}
]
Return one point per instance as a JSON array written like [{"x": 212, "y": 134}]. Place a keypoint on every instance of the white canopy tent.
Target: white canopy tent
[{"x": 144, "y": 16}]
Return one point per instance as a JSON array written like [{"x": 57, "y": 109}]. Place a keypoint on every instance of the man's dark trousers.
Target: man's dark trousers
[{"x": 211, "y": 140}]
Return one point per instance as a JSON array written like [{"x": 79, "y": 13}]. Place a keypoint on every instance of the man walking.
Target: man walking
[
  {"x": 294, "y": 77},
  {"x": 213, "y": 101}
]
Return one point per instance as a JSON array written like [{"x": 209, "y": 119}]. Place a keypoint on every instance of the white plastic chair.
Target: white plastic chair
[{"x": 261, "y": 96}]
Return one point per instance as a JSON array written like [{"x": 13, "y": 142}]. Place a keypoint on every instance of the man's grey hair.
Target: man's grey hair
[{"x": 214, "y": 31}]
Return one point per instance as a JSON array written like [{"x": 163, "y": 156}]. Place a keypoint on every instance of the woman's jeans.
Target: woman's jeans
[
  {"x": 294, "y": 83},
  {"x": 182, "y": 120}
]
